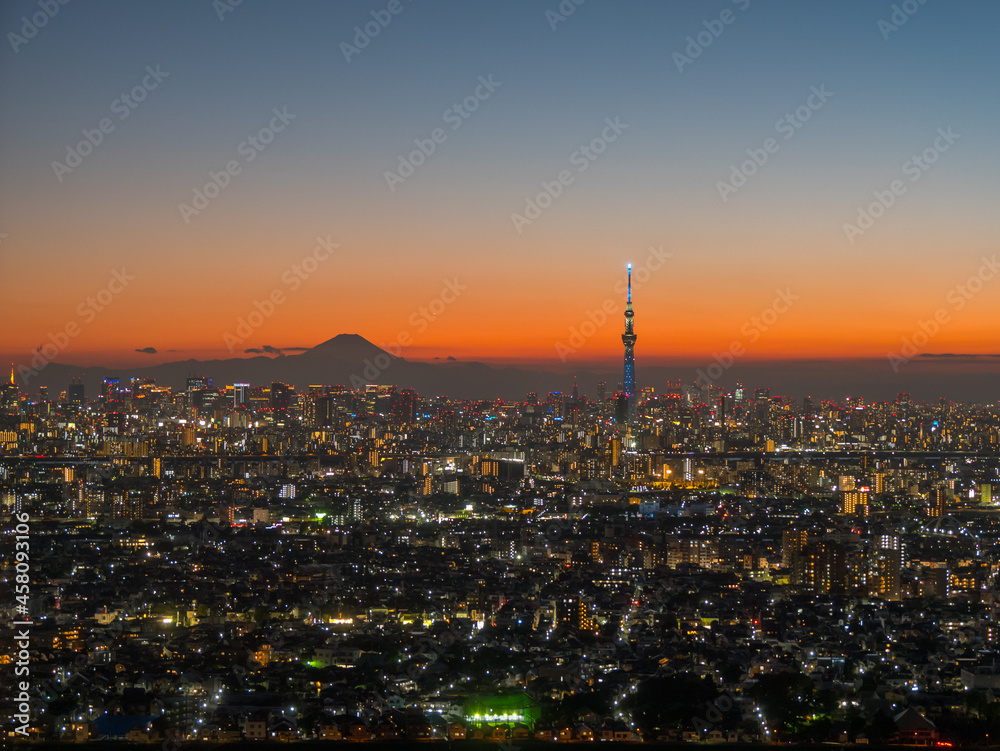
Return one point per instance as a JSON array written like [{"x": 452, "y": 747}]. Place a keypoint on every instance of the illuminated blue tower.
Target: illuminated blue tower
[{"x": 628, "y": 338}]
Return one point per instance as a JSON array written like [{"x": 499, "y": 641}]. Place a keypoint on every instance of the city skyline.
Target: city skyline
[
  {"x": 225, "y": 563},
  {"x": 729, "y": 175},
  {"x": 505, "y": 374}
]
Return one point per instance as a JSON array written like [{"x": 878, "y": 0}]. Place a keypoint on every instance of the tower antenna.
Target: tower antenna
[{"x": 628, "y": 339}]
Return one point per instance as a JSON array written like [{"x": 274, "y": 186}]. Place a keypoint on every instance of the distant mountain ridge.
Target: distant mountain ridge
[
  {"x": 353, "y": 361},
  {"x": 347, "y": 359}
]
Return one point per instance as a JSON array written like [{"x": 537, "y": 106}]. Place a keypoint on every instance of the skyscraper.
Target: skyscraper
[
  {"x": 281, "y": 398},
  {"x": 75, "y": 393},
  {"x": 241, "y": 393},
  {"x": 10, "y": 392},
  {"x": 628, "y": 338}
]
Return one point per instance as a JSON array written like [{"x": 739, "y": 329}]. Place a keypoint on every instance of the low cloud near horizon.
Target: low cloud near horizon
[
  {"x": 267, "y": 349},
  {"x": 941, "y": 355}
]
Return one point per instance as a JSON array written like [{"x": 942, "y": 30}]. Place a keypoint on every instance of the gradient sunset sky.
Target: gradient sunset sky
[{"x": 891, "y": 89}]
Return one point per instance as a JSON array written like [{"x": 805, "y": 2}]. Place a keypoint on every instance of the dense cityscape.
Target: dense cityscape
[
  {"x": 499, "y": 376},
  {"x": 682, "y": 563}
]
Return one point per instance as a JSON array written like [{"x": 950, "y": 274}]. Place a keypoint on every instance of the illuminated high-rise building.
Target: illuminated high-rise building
[
  {"x": 196, "y": 382},
  {"x": 824, "y": 567},
  {"x": 281, "y": 398},
  {"x": 75, "y": 393},
  {"x": 241, "y": 393},
  {"x": 574, "y": 612},
  {"x": 793, "y": 543},
  {"x": 886, "y": 565},
  {"x": 405, "y": 407},
  {"x": 197, "y": 386},
  {"x": 621, "y": 406},
  {"x": 10, "y": 392},
  {"x": 938, "y": 502},
  {"x": 855, "y": 502},
  {"x": 325, "y": 409},
  {"x": 628, "y": 339}
]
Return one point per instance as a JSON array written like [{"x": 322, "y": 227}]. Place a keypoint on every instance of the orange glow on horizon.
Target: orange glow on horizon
[{"x": 512, "y": 301}]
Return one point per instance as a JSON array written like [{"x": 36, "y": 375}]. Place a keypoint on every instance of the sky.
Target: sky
[{"x": 790, "y": 180}]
